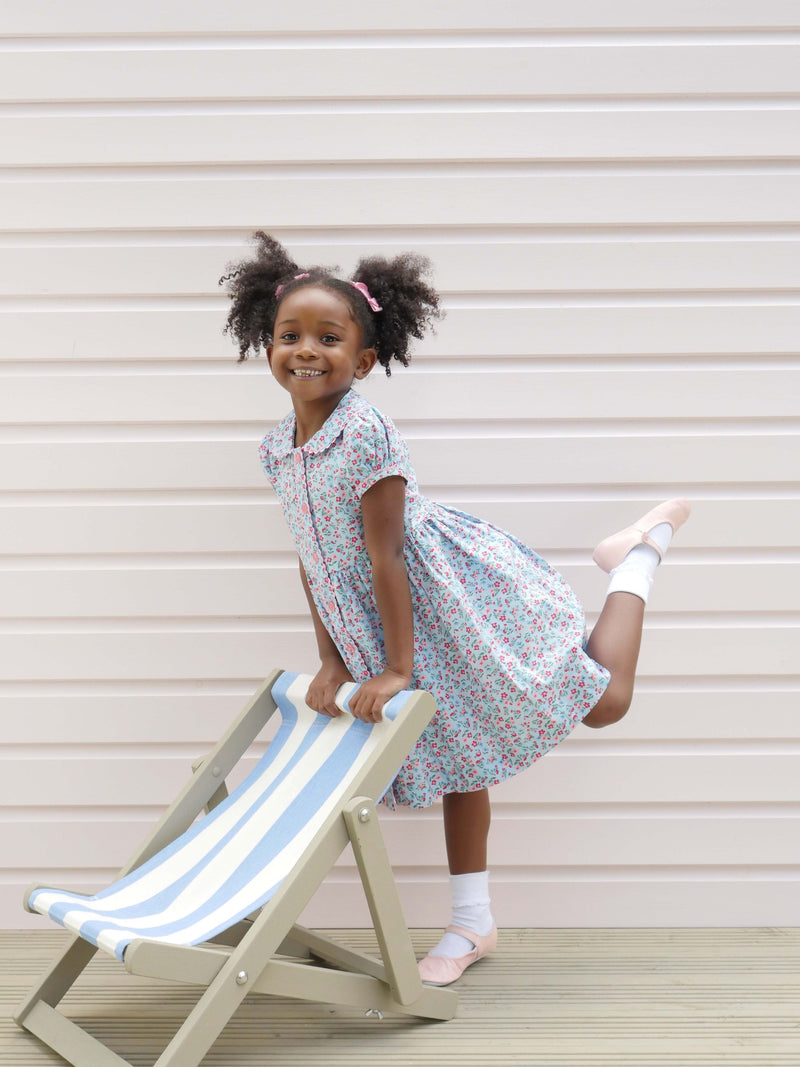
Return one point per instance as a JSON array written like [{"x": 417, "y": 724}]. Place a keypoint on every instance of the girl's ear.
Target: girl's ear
[
  {"x": 367, "y": 358},
  {"x": 269, "y": 356}
]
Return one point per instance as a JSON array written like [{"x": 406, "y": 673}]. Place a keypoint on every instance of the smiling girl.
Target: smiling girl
[{"x": 407, "y": 593}]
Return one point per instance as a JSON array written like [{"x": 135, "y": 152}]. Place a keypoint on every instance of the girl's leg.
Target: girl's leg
[
  {"x": 614, "y": 644},
  {"x": 467, "y": 817},
  {"x": 466, "y": 830},
  {"x": 631, "y": 557}
]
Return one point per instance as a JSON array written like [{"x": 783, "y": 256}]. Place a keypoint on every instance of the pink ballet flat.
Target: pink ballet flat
[
  {"x": 611, "y": 552},
  {"x": 442, "y": 970}
]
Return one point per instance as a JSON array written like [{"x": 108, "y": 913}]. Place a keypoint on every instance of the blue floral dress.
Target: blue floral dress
[{"x": 498, "y": 633}]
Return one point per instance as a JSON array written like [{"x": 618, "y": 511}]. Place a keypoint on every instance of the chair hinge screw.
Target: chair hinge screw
[
  {"x": 216, "y": 771},
  {"x": 241, "y": 977},
  {"x": 363, "y": 815}
]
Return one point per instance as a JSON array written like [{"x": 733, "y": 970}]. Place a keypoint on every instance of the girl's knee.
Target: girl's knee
[{"x": 610, "y": 709}]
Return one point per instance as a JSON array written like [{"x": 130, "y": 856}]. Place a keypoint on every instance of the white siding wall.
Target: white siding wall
[{"x": 610, "y": 194}]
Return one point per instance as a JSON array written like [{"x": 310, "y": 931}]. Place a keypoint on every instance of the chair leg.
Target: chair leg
[
  {"x": 205, "y": 1022},
  {"x": 58, "y": 979},
  {"x": 402, "y": 973}
]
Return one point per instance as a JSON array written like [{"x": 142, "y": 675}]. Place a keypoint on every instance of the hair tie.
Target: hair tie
[
  {"x": 373, "y": 303},
  {"x": 362, "y": 288},
  {"x": 281, "y": 288}
]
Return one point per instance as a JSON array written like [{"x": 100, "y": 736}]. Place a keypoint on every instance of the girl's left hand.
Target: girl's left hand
[{"x": 367, "y": 702}]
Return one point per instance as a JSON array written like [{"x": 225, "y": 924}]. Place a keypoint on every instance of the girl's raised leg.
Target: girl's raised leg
[
  {"x": 631, "y": 557},
  {"x": 614, "y": 644}
]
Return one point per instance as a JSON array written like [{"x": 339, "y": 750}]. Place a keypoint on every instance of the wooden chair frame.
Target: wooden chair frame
[{"x": 241, "y": 960}]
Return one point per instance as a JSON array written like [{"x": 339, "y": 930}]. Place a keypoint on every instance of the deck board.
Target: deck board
[{"x": 581, "y": 998}]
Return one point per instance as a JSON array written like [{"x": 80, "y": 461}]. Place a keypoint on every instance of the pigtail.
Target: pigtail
[
  {"x": 251, "y": 285},
  {"x": 410, "y": 306}
]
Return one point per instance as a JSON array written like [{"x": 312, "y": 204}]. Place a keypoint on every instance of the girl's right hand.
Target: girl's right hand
[{"x": 324, "y": 687}]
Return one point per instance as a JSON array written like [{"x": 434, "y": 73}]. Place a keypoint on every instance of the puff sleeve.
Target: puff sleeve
[{"x": 374, "y": 451}]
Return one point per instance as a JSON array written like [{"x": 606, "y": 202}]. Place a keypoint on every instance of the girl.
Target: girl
[{"x": 405, "y": 593}]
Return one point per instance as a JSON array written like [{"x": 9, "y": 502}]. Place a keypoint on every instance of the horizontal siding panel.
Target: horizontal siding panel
[
  {"x": 669, "y": 330},
  {"x": 239, "y": 591},
  {"x": 682, "y": 460},
  {"x": 753, "y": 524},
  {"x": 123, "y": 716},
  {"x": 601, "y": 188},
  {"x": 748, "y": 650},
  {"x": 586, "y": 901},
  {"x": 470, "y": 265},
  {"x": 417, "y": 842},
  {"x": 241, "y": 16},
  {"x": 122, "y": 140},
  {"x": 264, "y": 72},
  {"x": 549, "y": 899},
  {"x": 564, "y": 779},
  {"x": 520, "y": 394},
  {"x": 369, "y": 198}
]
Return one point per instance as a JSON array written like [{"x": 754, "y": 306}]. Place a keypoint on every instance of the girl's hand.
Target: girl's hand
[
  {"x": 324, "y": 686},
  {"x": 367, "y": 701}
]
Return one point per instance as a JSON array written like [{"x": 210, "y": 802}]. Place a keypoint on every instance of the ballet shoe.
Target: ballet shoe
[
  {"x": 613, "y": 550},
  {"x": 442, "y": 970}
]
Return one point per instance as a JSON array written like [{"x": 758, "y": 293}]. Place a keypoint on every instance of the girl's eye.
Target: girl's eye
[
  {"x": 289, "y": 336},
  {"x": 330, "y": 338}
]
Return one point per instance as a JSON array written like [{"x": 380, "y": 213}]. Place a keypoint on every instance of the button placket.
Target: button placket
[{"x": 312, "y": 538}]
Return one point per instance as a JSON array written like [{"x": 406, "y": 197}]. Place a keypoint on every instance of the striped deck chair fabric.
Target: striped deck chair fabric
[
  {"x": 232, "y": 861},
  {"x": 214, "y": 901}
]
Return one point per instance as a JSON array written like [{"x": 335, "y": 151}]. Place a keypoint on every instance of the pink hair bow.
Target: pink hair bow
[
  {"x": 297, "y": 277},
  {"x": 373, "y": 303}
]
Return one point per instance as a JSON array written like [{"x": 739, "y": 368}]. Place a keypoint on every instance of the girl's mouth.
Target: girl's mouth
[{"x": 306, "y": 372}]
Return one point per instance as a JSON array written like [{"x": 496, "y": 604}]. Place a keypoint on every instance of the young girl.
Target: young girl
[{"x": 406, "y": 593}]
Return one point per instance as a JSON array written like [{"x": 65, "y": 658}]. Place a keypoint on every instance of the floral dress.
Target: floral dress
[{"x": 498, "y": 633}]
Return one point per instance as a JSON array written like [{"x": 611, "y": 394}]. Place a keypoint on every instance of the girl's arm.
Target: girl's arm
[
  {"x": 382, "y": 512},
  {"x": 333, "y": 672}
]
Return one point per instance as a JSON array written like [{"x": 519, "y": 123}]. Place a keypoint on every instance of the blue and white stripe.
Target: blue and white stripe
[{"x": 234, "y": 859}]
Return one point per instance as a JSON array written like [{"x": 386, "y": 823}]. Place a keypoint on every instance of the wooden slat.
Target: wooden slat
[
  {"x": 518, "y": 844},
  {"x": 144, "y": 651},
  {"x": 722, "y": 459},
  {"x": 371, "y": 199},
  {"x": 597, "y": 898},
  {"x": 263, "y": 71},
  {"x": 522, "y": 394},
  {"x": 604, "y": 898},
  {"x": 239, "y": 16},
  {"x": 148, "y": 332},
  {"x": 241, "y": 592},
  {"x": 527, "y": 265},
  {"x": 419, "y": 137},
  {"x": 194, "y": 716},
  {"x": 561, "y": 778},
  {"x": 750, "y": 524}
]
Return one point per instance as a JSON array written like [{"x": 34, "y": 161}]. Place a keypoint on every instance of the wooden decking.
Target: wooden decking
[{"x": 582, "y": 998}]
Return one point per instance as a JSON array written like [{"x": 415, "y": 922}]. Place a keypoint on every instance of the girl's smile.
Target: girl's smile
[{"x": 316, "y": 353}]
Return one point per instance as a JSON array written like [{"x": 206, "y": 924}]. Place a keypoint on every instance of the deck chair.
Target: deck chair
[{"x": 213, "y": 901}]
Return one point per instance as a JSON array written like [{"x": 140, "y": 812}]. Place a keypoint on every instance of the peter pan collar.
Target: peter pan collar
[{"x": 281, "y": 440}]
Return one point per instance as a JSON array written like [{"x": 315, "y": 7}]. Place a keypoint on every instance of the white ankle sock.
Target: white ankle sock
[
  {"x": 471, "y": 910},
  {"x": 635, "y": 573}
]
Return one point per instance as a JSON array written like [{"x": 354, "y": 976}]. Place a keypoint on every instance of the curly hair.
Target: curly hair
[{"x": 409, "y": 304}]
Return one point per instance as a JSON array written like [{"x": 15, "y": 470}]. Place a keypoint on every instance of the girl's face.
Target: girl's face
[{"x": 317, "y": 347}]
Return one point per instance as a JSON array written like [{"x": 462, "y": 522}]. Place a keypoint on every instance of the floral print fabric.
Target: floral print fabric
[{"x": 498, "y": 633}]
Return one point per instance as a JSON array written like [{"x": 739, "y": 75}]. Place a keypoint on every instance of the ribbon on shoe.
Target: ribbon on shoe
[{"x": 443, "y": 970}]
